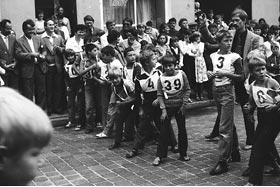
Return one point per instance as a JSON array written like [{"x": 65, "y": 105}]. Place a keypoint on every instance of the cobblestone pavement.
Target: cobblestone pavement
[{"x": 75, "y": 158}]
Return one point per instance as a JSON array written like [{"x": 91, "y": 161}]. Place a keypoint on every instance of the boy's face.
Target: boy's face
[
  {"x": 106, "y": 58},
  {"x": 259, "y": 72},
  {"x": 71, "y": 58},
  {"x": 258, "y": 31},
  {"x": 226, "y": 43},
  {"x": 275, "y": 50},
  {"x": 116, "y": 80},
  {"x": 93, "y": 52},
  {"x": 169, "y": 68},
  {"x": 213, "y": 30},
  {"x": 162, "y": 39},
  {"x": 131, "y": 57},
  {"x": 22, "y": 170}
]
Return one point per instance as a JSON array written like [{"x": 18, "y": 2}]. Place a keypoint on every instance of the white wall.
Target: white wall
[
  {"x": 269, "y": 10},
  {"x": 17, "y": 11},
  {"x": 179, "y": 9},
  {"x": 90, "y": 7}
]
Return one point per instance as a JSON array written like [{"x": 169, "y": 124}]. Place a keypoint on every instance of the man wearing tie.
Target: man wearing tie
[
  {"x": 7, "y": 59},
  {"x": 32, "y": 65},
  {"x": 54, "y": 46}
]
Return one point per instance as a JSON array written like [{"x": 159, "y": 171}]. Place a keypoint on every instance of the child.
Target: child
[
  {"x": 25, "y": 130},
  {"x": 273, "y": 62},
  {"x": 175, "y": 51},
  {"x": 263, "y": 95},
  {"x": 173, "y": 94},
  {"x": 108, "y": 57},
  {"x": 227, "y": 67},
  {"x": 123, "y": 97},
  {"x": 197, "y": 49},
  {"x": 162, "y": 46},
  {"x": 145, "y": 94},
  {"x": 90, "y": 71},
  {"x": 74, "y": 90}
]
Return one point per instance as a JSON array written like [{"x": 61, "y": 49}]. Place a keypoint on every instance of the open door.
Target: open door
[{"x": 70, "y": 11}]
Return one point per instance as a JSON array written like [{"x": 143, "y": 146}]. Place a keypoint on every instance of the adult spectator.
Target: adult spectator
[
  {"x": 127, "y": 24},
  {"x": 209, "y": 16},
  {"x": 32, "y": 64},
  {"x": 218, "y": 19},
  {"x": 39, "y": 23},
  {"x": 93, "y": 33},
  {"x": 77, "y": 41},
  {"x": 172, "y": 25},
  {"x": 244, "y": 41},
  {"x": 131, "y": 41},
  {"x": 114, "y": 40},
  {"x": 54, "y": 46},
  {"x": 62, "y": 28},
  {"x": 152, "y": 32},
  {"x": 65, "y": 20},
  {"x": 183, "y": 24},
  {"x": 7, "y": 55},
  {"x": 110, "y": 25},
  {"x": 142, "y": 35}
]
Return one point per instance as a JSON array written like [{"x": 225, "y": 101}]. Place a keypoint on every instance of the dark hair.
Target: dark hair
[
  {"x": 88, "y": 18},
  {"x": 194, "y": 35},
  {"x": 218, "y": 16},
  {"x": 270, "y": 31},
  {"x": 27, "y": 22},
  {"x": 240, "y": 13},
  {"x": 127, "y": 19},
  {"x": 3, "y": 23},
  {"x": 257, "y": 27},
  {"x": 162, "y": 34},
  {"x": 173, "y": 39},
  {"x": 69, "y": 52},
  {"x": 127, "y": 50},
  {"x": 40, "y": 12},
  {"x": 143, "y": 43},
  {"x": 181, "y": 21},
  {"x": 59, "y": 8},
  {"x": 79, "y": 27},
  {"x": 212, "y": 25},
  {"x": 141, "y": 25},
  {"x": 149, "y": 23},
  {"x": 46, "y": 21},
  {"x": 113, "y": 36},
  {"x": 89, "y": 47},
  {"x": 109, "y": 22},
  {"x": 168, "y": 59},
  {"x": 134, "y": 32},
  {"x": 162, "y": 27},
  {"x": 172, "y": 20},
  {"x": 262, "y": 19},
  {"x": 221, "y": 34},
  {"x": 108, "y": 50}
]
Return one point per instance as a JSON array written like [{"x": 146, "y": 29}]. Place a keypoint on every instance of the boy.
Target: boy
[
  {"x": 22, "y": 137},
  {"x": 227, "y": 67},
  {"x": 75, "y": 89},
  {"x": 123, "y": 97},
  {"x": 173, "y": 91},
  {"x": 264, "y": 96}
]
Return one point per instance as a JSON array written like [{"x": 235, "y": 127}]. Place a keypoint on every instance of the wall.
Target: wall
[
  {"x": 90, "y": 7},
  {"x": 179, "y": 9},
  {"x": 269, "y": 10},
  {"x": 17, "y": 11}
]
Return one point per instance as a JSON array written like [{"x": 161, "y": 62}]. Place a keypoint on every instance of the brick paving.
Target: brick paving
[{"x": 75, "y": 158}]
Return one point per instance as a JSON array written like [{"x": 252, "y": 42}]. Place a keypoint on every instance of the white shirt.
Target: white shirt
[
  {"x": 73, "y": 44},
  {"x": 5, "y": 39},
  {"x": 31, "y": 44}
]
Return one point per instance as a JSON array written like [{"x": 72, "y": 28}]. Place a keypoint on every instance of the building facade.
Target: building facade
[{"x": 140, "y": 11}]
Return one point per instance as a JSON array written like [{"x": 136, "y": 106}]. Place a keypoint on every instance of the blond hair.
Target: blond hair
[
  {"x": 23, "y": 124},
  {"x": 115, "y": 72}
]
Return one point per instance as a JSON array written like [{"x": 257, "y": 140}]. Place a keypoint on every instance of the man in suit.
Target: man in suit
[
  {"x": 53, "y": 45},
  {"x": 244, "y": 41},
  {"x": 32, "y": 64},
  {"x": 7, "y": 59}
]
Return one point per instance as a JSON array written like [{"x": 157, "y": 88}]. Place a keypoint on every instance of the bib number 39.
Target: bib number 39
[{"x": 176, "y": 84}]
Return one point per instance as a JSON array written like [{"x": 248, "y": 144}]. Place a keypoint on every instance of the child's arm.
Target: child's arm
[
  {"x": 2, "y": 70},
  {"x": 186, "y": 93},
  {"x": 131, "y": 95},
  {"x": 273, "y": 84},
  {"x": 160, "y": 97},
  {"x": 251, "y": 105},
  {"x": 237, "y": 75}
]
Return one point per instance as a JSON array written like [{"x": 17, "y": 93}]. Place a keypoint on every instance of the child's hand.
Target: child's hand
[
  {"x": 155, "y": 102},
  {"x": 210, "y": 74},
  {"x": 183, "y": 110},
  {"x": 247, "y": 107},
  {"x": 163, "y": 115},
  {"x": 271, "y": 107}
]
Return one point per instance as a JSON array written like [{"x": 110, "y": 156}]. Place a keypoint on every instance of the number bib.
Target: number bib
[
  {"x": 172, "y": 84},
  {"x": 263, "y": 96},
  {"x": 223, "y": 63},
  {"x": 70, "y": 71},
  {"x": 150, "y": 84}
]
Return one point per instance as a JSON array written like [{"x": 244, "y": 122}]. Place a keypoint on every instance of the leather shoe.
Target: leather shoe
[
  {"x": 132, "y": 154},
  {"x": 157, "y": 161},
  {"x": 184, "y": 158},
  {"x": 247, "y": 172},
  {"x": 272, "y": 171},
  {"x": 88, "y": 131},
  {"x": 114, "y": 146},
  {"x": 220, "y": 168}
]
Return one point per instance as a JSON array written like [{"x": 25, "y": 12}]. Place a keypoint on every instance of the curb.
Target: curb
[{"x": 61, "y": 120}]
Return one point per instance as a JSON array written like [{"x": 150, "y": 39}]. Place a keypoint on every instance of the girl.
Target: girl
[
  {"x": 162, "y": 46},
  {"x": 197, "y": 49}
]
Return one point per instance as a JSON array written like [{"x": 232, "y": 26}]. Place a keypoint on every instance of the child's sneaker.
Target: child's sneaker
[
  {"x": 78, "y": 128},
  {"x": 101, "y": 135},
  {"x": 69, "y": 125}
]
